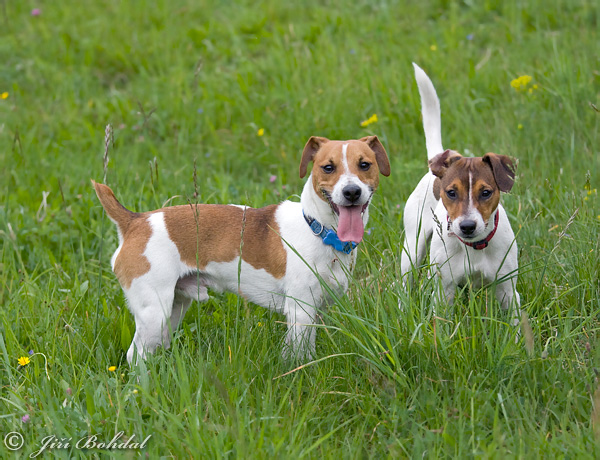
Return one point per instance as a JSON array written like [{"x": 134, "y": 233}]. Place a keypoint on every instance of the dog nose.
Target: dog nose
[
  {"x": 468, "y": 226},
  {"x": 351, "y": 193}
]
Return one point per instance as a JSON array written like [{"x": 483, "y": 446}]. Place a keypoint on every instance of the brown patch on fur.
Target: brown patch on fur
[
  {"x": 441, "y": 162},
  {"x": 358, "y": 151},
  {"x": 131, "y": 263},
  {"x": 437, "y": 185},
  {"x": 459, "y": 205},
  {"x": 308, "y": 154},
  {"x": 213, "y": 233},
  {"x": 487, "y": 206},
  {"x": 381, "y": 157}
]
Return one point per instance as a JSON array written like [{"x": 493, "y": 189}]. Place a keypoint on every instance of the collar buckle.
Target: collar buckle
[
  {"x": 316, "y": 227},
  {"x": 328, "y": 236}
]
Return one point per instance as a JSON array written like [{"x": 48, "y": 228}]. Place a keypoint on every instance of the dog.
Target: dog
[
  {"x": 276, "y": 256},
  {"x": 456, "y": 208}
]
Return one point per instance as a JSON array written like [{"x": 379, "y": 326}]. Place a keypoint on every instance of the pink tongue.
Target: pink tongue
[{"x": 350, "y": 226}]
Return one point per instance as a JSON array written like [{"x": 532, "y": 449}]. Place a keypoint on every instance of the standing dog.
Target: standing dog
[
  {"x": 273, "y": 256},
  {"x": 471, "y": 237}
]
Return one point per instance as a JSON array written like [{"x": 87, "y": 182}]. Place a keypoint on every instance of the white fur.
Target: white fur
[
  {"x": 347, "y": 178},
  {"x": 167, "y": 289},
  {"x": 425, "y": 220},
  {"x": 432, "y": 121}
]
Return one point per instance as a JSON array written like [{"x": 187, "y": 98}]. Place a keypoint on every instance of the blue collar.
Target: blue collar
[{"x": 328, "y": 236}]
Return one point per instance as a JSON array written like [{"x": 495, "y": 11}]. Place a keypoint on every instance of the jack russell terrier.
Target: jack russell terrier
[
  {"x": 276, "y": 256},
  {"x": 471, "y": 237}
]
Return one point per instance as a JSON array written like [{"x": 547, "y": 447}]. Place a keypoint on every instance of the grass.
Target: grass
[{"x": 190, "y": 83}]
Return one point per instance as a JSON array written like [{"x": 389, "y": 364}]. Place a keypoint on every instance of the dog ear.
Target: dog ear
[
  {"x": 503, "y": 168},
  {"x": 440, "y": 163},
  {"x": 310, "y": 149},
  {"x": 380, "y": 154}
]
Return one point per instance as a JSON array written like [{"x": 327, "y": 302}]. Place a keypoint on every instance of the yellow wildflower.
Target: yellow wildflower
[
  {"x": 260, "y": 132},
  {"x": 519, "y": 126},
  {"x": 372, "y": 119},
  {"x": 112, "y": 368},
  {"x": 520, "y": 83},
  {"x": 433, "y": 48},
  {"x": 4, "y": 95},
  {"x": 24, "y": 361}
]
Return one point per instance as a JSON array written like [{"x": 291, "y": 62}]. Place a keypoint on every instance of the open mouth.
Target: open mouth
[
  {"x": 336, "y": 208},
  {"x": 350, "y": 223}
]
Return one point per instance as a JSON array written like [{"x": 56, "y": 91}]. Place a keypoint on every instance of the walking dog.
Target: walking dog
[
  {"x": 274, "y": 256},
  {"x": 456, "y": 207}
]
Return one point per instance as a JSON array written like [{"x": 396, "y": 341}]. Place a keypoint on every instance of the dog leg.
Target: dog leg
[
  {"x": 300, "y": 338},
  {"x": 508, "y": 297},
  {"x": 418, "y": 225},
  {"x": 188, "y": 288},
  {"x": 510, "y": 300},
  {"x": 413, "y": 253},
  {"x": 181, "y": 303},
  {"x": 449, "y": 289},
  {"x": 151, "y": 309},
  {"x": 444, "y": 289},
  {"x": 444, "y": 294}
]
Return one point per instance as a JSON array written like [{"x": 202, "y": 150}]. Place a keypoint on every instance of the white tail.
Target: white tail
[{"x": 430, "y": 108}]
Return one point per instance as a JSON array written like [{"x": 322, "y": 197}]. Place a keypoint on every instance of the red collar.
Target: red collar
[{"x": 481, "y": 244}]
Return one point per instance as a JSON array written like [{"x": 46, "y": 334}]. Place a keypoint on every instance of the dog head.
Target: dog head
[
  {"x": 344, "y": 176},
  {"x": 470, "y": 189}
]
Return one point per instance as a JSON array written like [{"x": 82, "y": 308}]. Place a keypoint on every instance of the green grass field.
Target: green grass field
[{"x": 187, "y": 85}]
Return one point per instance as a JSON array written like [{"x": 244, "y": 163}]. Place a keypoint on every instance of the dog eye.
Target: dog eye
[
  {"x": 451, "y": 194},
  {"x": 328, "y": 169},
  {"x": 364, "y": 166},
  {"x": 486, "y": 193}
]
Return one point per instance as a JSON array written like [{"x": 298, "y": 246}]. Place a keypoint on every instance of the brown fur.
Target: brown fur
[
  {"x": 213, "y": 233},
  {"x": 503, "y": 168},
  {"x": 381, "y": 157},
  {"x": 488, "y": 172},
  {"x": 310, "y": 149},
  {"x": 131, "y": 263}
]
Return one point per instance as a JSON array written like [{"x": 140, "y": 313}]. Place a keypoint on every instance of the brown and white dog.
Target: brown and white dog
[
  {"x": 273, "y": 256},
  {"x": 471, "y": 237}
]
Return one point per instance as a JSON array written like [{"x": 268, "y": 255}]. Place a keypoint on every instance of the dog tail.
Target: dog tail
[
  {"x": 118, "y": 213},
  {"x": 430, "y": 108}
]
